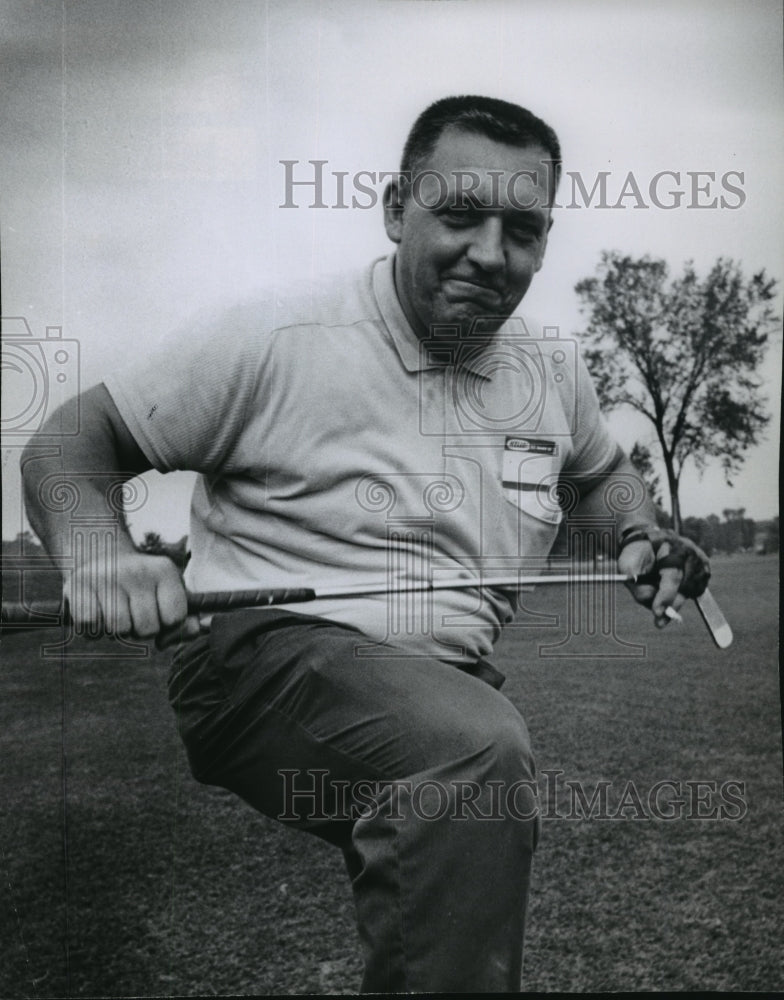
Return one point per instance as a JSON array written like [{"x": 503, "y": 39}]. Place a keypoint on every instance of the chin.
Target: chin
[
  {"x": 465, "y": 317},
  {"x": 484, "y": 322}
]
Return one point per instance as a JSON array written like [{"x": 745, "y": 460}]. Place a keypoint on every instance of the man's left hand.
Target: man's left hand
[{"x": 668, "y": 569}]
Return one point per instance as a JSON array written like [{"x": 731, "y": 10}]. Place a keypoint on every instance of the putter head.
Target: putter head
[{"x": 717, "y": 624}]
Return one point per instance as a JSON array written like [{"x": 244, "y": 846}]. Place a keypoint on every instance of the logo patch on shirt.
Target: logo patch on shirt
[
  {"x": 535, "y": 446},
  {"x": 530, "y": 475}
]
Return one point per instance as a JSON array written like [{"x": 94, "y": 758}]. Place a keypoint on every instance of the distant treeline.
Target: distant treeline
[
  {"x": 736, "y": 533},
  {"x": 733, "y": 532}
]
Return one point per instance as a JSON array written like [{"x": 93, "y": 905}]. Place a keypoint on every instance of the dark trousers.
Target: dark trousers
[{"x": 419, "y": 771}]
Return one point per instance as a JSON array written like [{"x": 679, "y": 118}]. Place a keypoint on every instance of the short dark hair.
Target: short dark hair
[{"x": 497, "y": 119}]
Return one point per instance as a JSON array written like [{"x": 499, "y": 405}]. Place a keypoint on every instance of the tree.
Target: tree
[
  {"x": 684, "y": 353},
  {"x": 698, "y": 529},
  {"x": 641, "y": 458},
  {"x": 739, "y": 531},
  {"x": 767, "y": 539}
]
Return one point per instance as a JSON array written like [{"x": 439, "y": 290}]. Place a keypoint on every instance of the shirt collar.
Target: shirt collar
[{"x": 415, "y": 354}]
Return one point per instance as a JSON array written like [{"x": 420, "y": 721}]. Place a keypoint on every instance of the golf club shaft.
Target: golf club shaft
[{"x": 46, "y": 614}]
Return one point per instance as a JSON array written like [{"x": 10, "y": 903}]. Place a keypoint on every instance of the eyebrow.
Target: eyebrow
[
  {"x": 529, "y": 218},
  {"x": 469, "y": 200}
]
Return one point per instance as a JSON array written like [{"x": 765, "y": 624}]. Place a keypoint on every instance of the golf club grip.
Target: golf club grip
[{"x": 226, "y": 600}]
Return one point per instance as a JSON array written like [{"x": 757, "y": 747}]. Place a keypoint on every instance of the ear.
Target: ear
[{"x": 393, "y": 212}]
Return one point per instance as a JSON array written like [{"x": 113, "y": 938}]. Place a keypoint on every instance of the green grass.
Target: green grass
[{"x": 123, "y": 877}]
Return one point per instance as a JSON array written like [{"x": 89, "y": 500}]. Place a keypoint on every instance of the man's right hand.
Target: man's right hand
[
  {"x": 139, "y": 595},
  {"x": 131, "y": 593}
]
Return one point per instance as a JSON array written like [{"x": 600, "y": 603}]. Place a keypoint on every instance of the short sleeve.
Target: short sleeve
[
  {"x": 594, "y": 450},
  {"x": 185, "y": 402}
]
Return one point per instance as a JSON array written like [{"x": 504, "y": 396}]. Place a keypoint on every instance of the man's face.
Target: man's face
[{"x": 468, "y": 242}]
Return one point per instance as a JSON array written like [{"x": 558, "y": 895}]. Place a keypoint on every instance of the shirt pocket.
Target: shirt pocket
[{"x": 530, "y": 470}]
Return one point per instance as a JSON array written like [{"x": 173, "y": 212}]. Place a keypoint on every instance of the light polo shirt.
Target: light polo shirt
[{"x": 334, "y": 447}]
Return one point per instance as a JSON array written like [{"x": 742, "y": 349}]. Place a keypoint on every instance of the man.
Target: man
[{"x": 401, "y": 425}]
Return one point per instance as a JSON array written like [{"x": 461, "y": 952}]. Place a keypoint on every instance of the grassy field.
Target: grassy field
[{"x": 123, "y": 877}]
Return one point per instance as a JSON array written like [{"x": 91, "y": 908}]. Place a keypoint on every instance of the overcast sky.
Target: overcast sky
[{"x": 141, "y": 174}]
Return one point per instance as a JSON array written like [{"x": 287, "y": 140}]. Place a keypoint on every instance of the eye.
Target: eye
[
  {"x": 524, "y": 234},
  {"x": 459, "y": 218}
]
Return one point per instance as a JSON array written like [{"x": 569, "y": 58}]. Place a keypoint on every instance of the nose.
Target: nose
[{"x": 486, "y": 248}]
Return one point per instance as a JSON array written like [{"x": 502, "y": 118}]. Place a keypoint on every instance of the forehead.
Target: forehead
[{"x": 469, "y": 163}]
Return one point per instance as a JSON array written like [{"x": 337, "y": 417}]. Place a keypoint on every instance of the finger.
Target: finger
[
  {"x": 185, "y": 630},
  {"x": 670, "y": 615},
  {"x": 123, "y": 622},
  {"x": 669, "y": 581},
  {"x": 679, "y": 600},
  {"x": 637, "y": 559},
  {"x": 84, "y": 607},
  {"x": 144, "y": 614},
  {"x": 643, "y": 593},
  {"x": 172, "y": 602}
]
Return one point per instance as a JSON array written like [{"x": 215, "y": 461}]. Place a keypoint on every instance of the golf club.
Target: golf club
[{"x": 21, "y": 617}]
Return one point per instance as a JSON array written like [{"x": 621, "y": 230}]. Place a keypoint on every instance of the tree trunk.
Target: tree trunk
[
  {"x": 673, "y": 484},
  {"x": 675, "y": 509}
]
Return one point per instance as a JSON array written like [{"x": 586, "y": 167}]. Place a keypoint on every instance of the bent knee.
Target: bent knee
[
  {"x": 509, "y": 747},
  {"x": 494, "y": 745}
]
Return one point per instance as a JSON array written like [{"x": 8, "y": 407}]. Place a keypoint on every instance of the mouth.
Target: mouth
[{"x": 458, "y": 286}]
